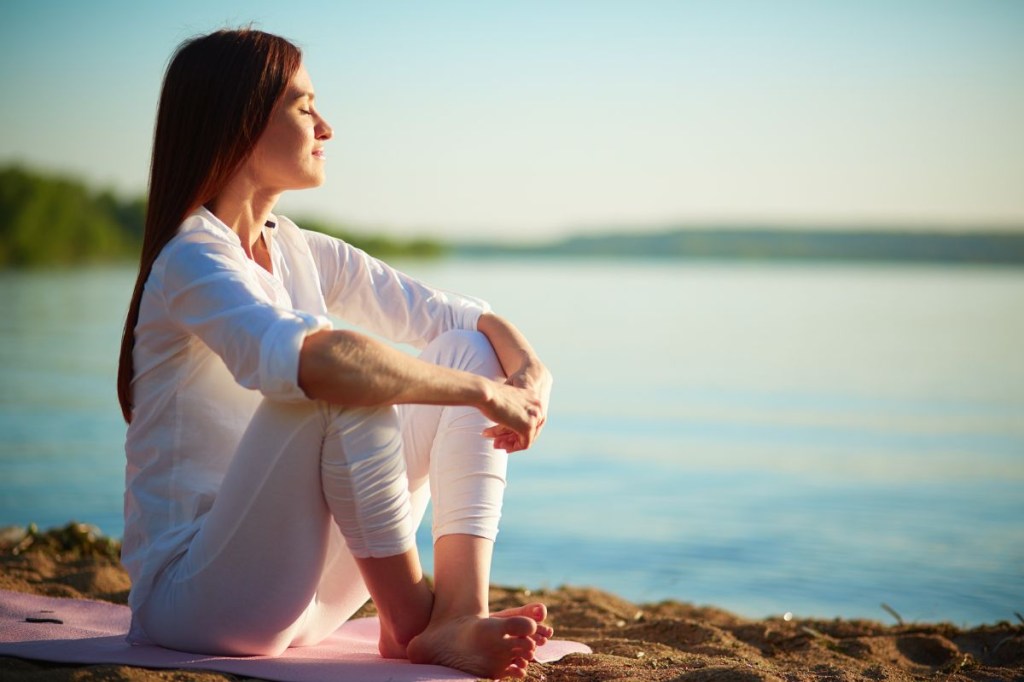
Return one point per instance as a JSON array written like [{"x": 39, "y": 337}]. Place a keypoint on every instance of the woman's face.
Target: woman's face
[{"x": 290, "y": 153}]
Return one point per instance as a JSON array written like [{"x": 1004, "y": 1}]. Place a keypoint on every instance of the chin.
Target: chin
[{"x": 310, "y": 183}]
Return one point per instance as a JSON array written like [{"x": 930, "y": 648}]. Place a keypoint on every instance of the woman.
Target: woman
[{"x": 277, "y": 468}]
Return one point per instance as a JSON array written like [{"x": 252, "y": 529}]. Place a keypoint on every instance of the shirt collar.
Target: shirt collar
[{"x": 269, "y": 227}]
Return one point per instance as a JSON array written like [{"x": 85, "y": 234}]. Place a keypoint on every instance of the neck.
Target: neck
[{"x": 245, "y": 210}]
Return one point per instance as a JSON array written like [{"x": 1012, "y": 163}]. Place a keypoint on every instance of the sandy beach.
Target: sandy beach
[{"x": 660, "y": 642}]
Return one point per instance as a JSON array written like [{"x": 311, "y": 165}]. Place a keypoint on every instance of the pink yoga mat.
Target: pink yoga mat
[{"x": 94, "y": 632}]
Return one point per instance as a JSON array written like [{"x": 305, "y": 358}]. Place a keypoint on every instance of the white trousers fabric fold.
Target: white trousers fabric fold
[{"x": 312, "y": 486}]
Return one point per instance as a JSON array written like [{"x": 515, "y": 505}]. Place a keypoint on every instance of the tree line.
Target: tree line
[{"x": 53, "y": 220}]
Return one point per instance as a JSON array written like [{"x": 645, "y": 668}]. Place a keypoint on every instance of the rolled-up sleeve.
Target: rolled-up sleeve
[
  {"x": 280, "y": 348},
  {"x": 213, "y": 296},
  {"x": 367, "y": 292}
]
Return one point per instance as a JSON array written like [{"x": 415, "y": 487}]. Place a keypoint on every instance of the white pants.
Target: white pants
[{"x": 311, "y": 486}]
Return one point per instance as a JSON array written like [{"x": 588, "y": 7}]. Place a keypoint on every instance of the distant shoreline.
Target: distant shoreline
[
  {"x": 780, "y": 244},
  {"x": 85, "y": 226}
]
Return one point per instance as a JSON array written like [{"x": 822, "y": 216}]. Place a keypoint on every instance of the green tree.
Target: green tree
[{"x": 57, "y": 221}]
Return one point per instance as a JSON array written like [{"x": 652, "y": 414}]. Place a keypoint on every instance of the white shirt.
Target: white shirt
[{"x": 216, "y": 334}]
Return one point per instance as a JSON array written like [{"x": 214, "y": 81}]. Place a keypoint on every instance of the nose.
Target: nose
[{"x": 324, "y": 131}]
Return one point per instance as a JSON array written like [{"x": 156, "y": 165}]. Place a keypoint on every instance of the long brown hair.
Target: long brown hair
[{"x": 218, "y": 94}]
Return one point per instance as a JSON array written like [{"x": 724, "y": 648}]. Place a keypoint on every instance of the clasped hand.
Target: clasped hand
[{"x": 520, "y": 408}]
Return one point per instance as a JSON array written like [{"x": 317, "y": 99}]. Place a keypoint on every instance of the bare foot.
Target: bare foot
[
  {"x": 500, "y": 646},
  {"x": 537, "y": 612}
]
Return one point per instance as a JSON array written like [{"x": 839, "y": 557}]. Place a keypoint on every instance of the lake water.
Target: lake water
[{"x": 765, "y": 438}]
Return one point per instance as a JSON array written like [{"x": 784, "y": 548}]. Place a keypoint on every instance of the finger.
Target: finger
[
  {"x": 510, "y": 444},
  {"x": 501, "y": 433},
  {"x": 495, "y": 431},
  {"x": 502, "y": 441}
]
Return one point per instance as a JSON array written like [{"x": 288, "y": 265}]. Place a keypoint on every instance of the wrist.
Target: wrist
[
  {"x": 533, "y": 369},
  {"x": 528, "y": 363},
  {"x": 484, "y": 394}
]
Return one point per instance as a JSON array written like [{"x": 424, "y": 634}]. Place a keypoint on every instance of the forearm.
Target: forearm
[
  {"x": 523, "y": 369},
  {"x": 513, "y": 350},
  {"x": 348, "y": 368},
  {"x": 521, "y": 364}
]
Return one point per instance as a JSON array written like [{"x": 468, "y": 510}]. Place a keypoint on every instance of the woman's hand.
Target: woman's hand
[
  {"x": 519, "y": 413},
  {"x": 533, "y": 375},
  {"x": 535, "y": 380},
  {"x": 525, "y": 372}
]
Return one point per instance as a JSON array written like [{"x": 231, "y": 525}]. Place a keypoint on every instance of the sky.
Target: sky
[{"x": 528, "y": 120}]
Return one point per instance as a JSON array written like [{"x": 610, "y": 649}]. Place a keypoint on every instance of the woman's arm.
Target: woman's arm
[
  {"x": 370, "y": 294},
  {"x": 523, "y": 369},
  {"x": 348, "y": 368}
]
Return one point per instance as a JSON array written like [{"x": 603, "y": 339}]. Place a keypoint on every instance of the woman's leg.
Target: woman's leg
[
  {"x": 446, "y": 454},
  {"x": 253, "y": 578},
  {"x": 267, "y": 570},
  {"x": 466, "y": 477}
]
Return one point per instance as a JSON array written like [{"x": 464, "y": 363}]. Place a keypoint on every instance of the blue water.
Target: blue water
[{"x": 765, "y": 438}]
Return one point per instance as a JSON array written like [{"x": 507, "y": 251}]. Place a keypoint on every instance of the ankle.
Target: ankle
[
  {"x": 404, "y": 630},
  {"x": 410, "y": 620},
  {"x": 446, "y": 610}
]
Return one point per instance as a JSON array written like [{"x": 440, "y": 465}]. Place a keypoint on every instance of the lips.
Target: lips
[{"x": 319, "y": 153}]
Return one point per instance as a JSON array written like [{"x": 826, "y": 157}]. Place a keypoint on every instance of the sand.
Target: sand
[{"x": 660, "y": 642}]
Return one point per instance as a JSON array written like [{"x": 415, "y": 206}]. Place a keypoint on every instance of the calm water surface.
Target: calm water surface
[{"x": 814, "y": 439}]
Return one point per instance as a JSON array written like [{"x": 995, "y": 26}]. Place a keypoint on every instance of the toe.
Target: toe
[
  {"x": 523, "y": 646},
  {"x": 518, "y": 626},
  {"x": 517, "y": 669},
  {"x": 523, "y": 654},
  {"x": 537, "y": 611},
  {"x": 512, "y": 671}
]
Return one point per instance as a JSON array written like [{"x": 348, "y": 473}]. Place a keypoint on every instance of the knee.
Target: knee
[
  {"x": 363, "y": 443},
  {"x": 464, "y": 349},
  {"x": 362, "y": 433},
  {"x": 364, "y": 481}
]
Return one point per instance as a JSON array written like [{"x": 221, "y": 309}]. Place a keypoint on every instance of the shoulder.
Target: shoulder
[
  {"x": 290, "y": 238},
  {"x": 203, "y": 225},
  {"x": 287, "y": 229},
  {"x": 200, "y": 243},
  {"x": 318, "y": 244},
  {"x": 202, "y": 228}
]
